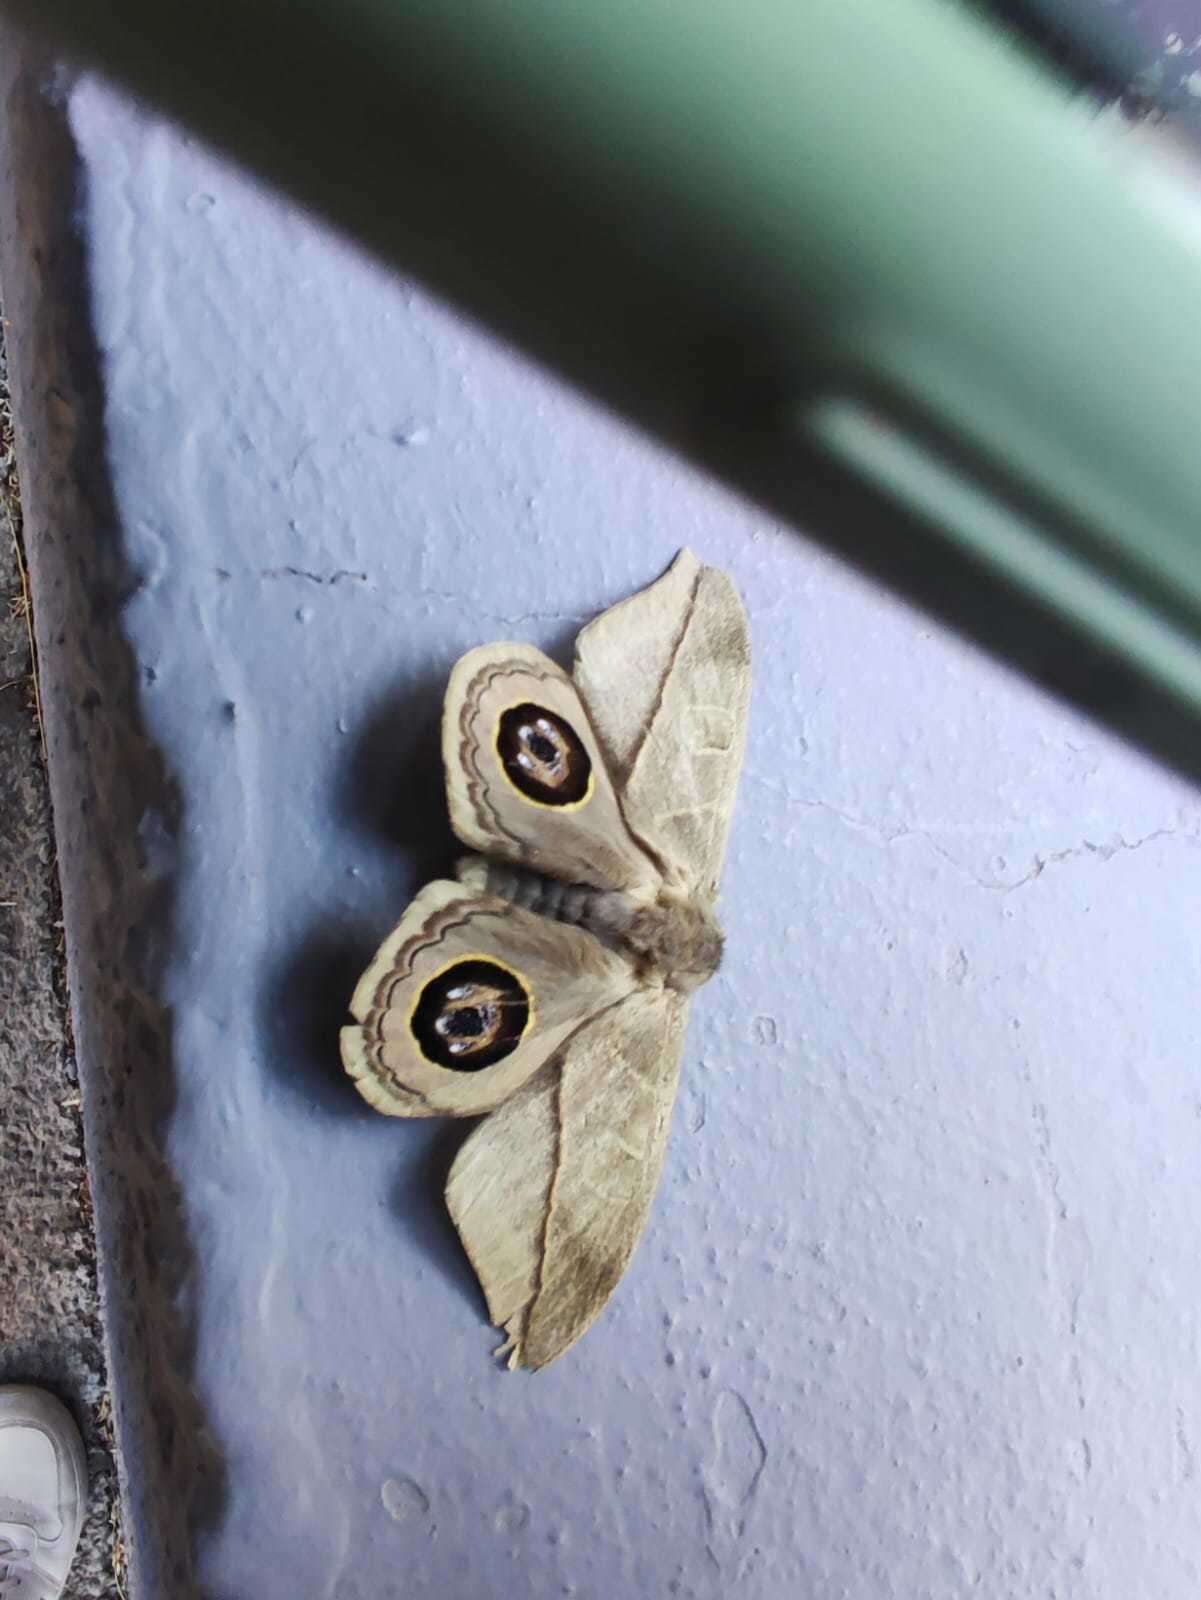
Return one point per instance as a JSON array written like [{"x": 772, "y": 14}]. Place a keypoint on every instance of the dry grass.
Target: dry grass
[
  {"x": 120, "y": 1557},
  {"x": 21, "y": 604}
]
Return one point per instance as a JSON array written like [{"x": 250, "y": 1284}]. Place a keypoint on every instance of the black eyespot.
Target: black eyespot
[
  {"x": 543, "y": 755},
  {"x": 471, "y": 1016}
]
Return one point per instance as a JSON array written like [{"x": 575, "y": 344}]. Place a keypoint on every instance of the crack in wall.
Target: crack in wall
[{"x": 1186, "y": 830}]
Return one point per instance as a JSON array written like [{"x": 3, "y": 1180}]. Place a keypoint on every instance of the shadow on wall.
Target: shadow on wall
[
  {"x": 117, "y": 818},
  {"x": 393, "y": 787}
]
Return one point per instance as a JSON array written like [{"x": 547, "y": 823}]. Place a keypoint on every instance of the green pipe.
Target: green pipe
[{"x": 867, "y": 262}]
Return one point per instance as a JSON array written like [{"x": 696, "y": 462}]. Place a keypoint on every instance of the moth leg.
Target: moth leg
[{"x": 510, "y": 1348}]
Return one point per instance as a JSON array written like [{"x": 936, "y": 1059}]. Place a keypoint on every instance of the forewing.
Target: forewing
[
  {"x": 525, "y": 775},
  {"x": 467, "y": 998},
  {"x": 551, "y": 1194},
  {"x": 666, "y": 679},
  {"x": 622, "y": 659}
]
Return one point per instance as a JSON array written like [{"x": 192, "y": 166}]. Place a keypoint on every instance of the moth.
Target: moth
[{"x": 549, "y": 985}]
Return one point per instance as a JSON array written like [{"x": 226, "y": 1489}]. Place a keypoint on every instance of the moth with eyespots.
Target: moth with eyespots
[{"x": 549, "y": 985}]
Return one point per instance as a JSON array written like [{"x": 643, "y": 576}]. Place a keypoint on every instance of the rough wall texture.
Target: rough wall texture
[
  {"x": 915, "y": 1312},
  {"x": 50, "y": 1330}
]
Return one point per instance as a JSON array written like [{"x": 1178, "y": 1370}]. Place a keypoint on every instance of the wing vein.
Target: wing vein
[
  {"x": 671, "y": 665},
  {"x": 531, "y": 1304}
]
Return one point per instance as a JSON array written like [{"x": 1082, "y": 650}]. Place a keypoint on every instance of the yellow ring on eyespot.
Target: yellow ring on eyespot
[
  {"x": 543, "y": 805},
  {"x": 447, "y": 966}
]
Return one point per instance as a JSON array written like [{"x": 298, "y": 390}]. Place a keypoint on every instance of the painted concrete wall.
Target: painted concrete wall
[{"x": 917, "y": 1312}]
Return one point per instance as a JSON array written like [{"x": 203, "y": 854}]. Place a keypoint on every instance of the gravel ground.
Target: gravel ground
[{"x": 50, "y": 1330}]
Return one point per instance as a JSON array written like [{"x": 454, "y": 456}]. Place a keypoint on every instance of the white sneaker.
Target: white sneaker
[{"x": 43, "y": 1494}]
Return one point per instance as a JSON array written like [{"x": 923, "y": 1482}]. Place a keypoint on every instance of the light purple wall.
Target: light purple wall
[{"x": 916, "y": 1314}]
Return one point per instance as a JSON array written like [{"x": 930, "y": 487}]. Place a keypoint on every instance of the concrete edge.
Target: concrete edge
[{"x": 116, "y": 816}]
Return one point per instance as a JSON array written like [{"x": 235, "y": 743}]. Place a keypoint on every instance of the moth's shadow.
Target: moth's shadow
[
  {"x": 418, "y": 1199},
  {"x": 306, "y": 1006},
  {"x": 391, "y": 787}
]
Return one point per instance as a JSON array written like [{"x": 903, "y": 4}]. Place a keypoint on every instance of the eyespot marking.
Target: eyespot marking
[
  {"x": 471, "y": 1015},
  {"x": 542, "y": 756}
]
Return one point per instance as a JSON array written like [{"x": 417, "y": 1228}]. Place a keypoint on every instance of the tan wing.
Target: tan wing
[
  {"x": 622, "y": 659},
  {"x": 551, "y": 1194},
  {"x": 467, "y": 998},
  {"x": 525, "y": 777},
  {"x": 665, "y": 676}
]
